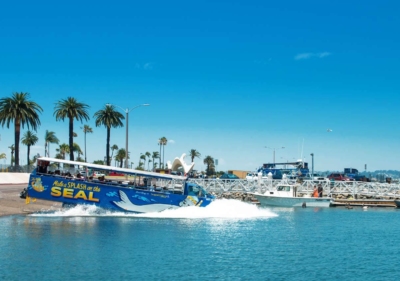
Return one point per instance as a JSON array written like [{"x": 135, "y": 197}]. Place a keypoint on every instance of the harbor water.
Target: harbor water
[{"x": 228, "y": 240}]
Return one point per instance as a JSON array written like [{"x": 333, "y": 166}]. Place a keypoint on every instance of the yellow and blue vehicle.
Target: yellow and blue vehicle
[{"x": 137, "y": 191}]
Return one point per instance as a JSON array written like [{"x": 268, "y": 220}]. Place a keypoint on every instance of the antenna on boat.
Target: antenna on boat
[{"x": 301, "y": 156}]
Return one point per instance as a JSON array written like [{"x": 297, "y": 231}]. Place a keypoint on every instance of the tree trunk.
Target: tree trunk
[
  {"x": 159, "y": 161},
  {"x": 16, "y": 137},
  {"x": 27, "y": 160},
  {"x": 108, "y": 147},
  {"x": 71, "y": 138},
  {"x": 85, "y": 147}
]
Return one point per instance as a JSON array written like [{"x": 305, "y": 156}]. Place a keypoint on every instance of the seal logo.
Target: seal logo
[{"x": 37, "y": 184}]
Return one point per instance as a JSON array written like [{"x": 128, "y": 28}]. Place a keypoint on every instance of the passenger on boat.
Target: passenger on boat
[
  {"x": 42, "y": 166},
  {"x": 68, "y": 175},
  {"x": 320, "y": 190},
  {"x": 315, "y": 193}
]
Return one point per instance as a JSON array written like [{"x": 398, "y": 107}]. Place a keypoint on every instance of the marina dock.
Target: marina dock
[
  {"x": 354, "y": 193},
  {"x": 364, "y": 202}
]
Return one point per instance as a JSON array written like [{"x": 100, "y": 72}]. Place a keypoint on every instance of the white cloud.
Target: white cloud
[
  {"x": 171, "y": 141},
  {"x": 145, "y": 66},
  {"x": 324, "y": 54},
  {"x": 148, "y": 66},
  {"x": 304, "y": 56},
  {"x": 262, "y": 62}
]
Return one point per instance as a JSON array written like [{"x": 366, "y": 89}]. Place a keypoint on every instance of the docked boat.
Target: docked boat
[
  {"x": 284, "y": 195},
  {"x": 138, "y": 191},
  {"x": 397, "y": 203}
]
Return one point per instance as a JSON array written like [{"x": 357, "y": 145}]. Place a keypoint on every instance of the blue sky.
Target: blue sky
[{"x": 227, "y": 78}]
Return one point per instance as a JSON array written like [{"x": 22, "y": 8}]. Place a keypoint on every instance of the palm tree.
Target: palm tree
[
  {"x": 12, "y": 147},
  {"x": 159, "y": 160},
  {"x": 148, "y": 154},
  {"x": 62, "y": 150},
  {"x": 120, "y": 156},
  {"x": 59, "y": 156},
  {"x": 108, "y": 117},
  {"x": 33, "y": 161},
  {"x": 72, "y": 109},
  {"x": 193, "y": 154},
  {"x": 142, "y": 157},
  {"x": 140, "y": 166},
  {"x": 49, "y": 137},
  {"x": 3, "y": 156},
  {"x": 29, "y": 139},
  {"x": 86, "y": 129},
  {"x": 155, "y": 155},
  {"x": 209, "y": 161},
  {"x": 77, "y": 149},
  {"x": 113, "y": 147},
  {"x": 163, "y": 141},
  {"x": 22, "y": 111}
]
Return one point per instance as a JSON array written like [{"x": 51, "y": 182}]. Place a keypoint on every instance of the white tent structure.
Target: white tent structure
[{"x": 180, "y": 162}]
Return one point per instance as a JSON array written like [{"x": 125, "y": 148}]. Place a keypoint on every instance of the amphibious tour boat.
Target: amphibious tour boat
[{"x": 73, "y": 183}]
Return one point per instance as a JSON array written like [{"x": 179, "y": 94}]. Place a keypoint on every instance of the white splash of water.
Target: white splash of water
[{"x": 222, "y": 208}]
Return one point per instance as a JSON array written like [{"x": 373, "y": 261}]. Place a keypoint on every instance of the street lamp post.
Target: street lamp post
[
  {"x": 312, "y": 164},
  {"x": 127, "y": 110},
  {"x": 273, "y": 148}
]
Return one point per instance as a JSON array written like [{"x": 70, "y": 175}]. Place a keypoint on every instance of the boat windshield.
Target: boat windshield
[
  {"x": 196, "y": 190},
  {"x": 283, "y": 188}
]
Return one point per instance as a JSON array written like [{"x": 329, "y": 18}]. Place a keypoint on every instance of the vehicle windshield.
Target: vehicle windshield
[{"x": 196, "y": 190}]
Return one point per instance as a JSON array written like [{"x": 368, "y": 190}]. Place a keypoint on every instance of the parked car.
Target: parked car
[
  {"x": 339, "y": 177},
  {"x": 314, "y": 177},
  {"x": 229, "y": 177},
  {"x": 113, "y": 173},
  {"x": 361, "y": 178},
  {"x": 98, "y": 174}
]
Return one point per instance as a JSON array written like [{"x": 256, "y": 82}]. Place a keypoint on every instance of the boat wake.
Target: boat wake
[{"x": 222, "y": 208}]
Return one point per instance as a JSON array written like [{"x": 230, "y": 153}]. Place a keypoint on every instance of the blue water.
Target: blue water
[{"x": 228, "y": 241}]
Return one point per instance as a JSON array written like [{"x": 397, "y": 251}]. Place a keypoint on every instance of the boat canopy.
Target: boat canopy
[{"x": 111, "y": 168}]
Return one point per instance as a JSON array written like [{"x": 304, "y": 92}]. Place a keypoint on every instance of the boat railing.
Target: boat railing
[{"x": 330, "y": 188}]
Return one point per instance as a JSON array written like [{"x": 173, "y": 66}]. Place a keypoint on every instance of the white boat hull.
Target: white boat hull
[{"x": 267, "y": 200}]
